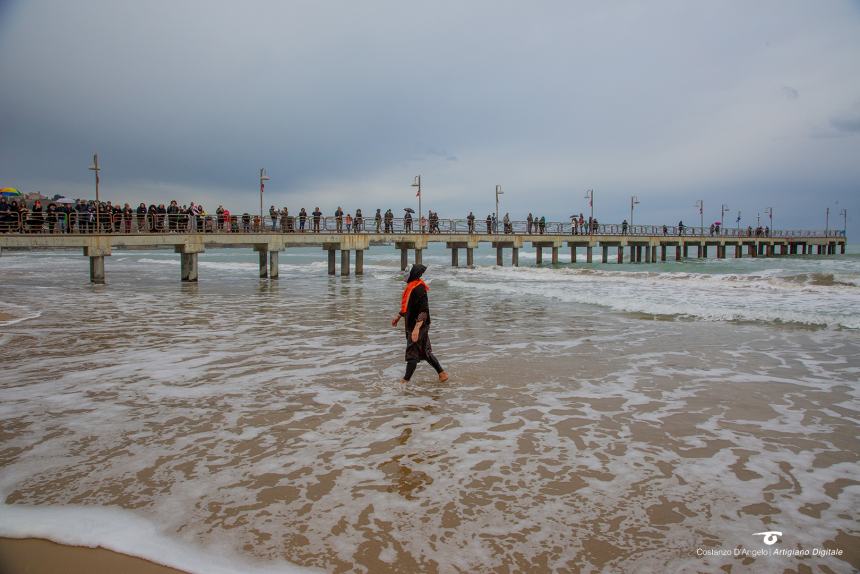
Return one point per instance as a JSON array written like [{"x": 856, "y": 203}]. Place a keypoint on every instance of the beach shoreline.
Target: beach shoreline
[{"x": 40, "y": 556}]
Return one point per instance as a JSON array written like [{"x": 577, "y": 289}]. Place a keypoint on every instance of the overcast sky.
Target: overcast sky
[{"x": 751, "y": 104}]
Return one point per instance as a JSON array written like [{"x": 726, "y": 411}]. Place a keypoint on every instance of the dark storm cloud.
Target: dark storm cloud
[{"x": 345, "y": 102}]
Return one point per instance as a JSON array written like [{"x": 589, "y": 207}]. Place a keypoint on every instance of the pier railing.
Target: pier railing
[{"x": 89, "y": 223}]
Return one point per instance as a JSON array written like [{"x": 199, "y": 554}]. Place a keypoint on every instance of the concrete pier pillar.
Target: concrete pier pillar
[
  {"x": 738, "y": 250},
  {"x": 620, "y": 254},
  {"x": 555, "y": 255},
  {"x": 538, "y": 255},
  {"x": 677, "y": 253},
  {"x": 638, "y": 254},
  {"x": 647, "y": 254},
  {"x": 605, "y": 254},
  {"x": 470, "y": 257},
  {"x": 97, "y": 269},
  {"x": 188, "y": 267},
  {"x": 588, "y": 253},
  {"x": 685, "y": 250},
  {"x": 653, "y": 254},
  {"x": 273, "y": 264},
  {"x": 344, "y": 262},
  {"x": 359, "y": 261},
  {"x": 573, "y": 254},
  {"x": 699, "y": 251},
  {"x": 662, "y": 253},
  {"x": 499, "y": 254},
  {"x": 515, "y": 256},
  {"x": 455, "y": 257},
  {"x": 404, "y": 258},
  {"x": 418, "y": 253},
  {"x": 820, "y": 250},
  {"x": 842, "y": 248},
  {"x": 264, "y": 263},
  {"x": 331, "y": 256}
]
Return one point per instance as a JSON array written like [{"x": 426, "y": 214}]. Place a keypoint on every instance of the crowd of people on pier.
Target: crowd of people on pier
[{"x": 80, "y": 216}]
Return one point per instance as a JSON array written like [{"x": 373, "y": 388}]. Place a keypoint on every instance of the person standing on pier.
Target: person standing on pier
[
  {"x": 338, "y": 219},
  {"x": 273, "y": 215},
  {"x": 303, "y": 217},
  {"x": 470, "y": 219},
  {"x": 529, "y": 221},
  {"x": 415, "y": 308},
  {"x": 317, "y": 216},
  {"x": 378, "y": 220}
]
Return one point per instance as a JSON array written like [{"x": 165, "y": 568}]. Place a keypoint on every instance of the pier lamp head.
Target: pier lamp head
[
  {"x": 263, "y": 176},
  {"x": 416, "y": 181}
]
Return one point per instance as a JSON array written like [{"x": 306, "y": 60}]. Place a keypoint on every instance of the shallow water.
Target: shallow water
[{"x": 598, "y": 417}]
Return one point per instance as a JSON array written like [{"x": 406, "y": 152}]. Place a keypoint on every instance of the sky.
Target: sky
[{"x": 751, "y": 105}]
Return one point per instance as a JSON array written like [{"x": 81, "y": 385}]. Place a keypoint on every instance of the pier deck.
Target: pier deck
[{"x": 639, "y": 248}]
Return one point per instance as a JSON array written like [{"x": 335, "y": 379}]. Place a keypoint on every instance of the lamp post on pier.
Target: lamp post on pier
[
  {"x": 417, "y": 183},
  {"x": 723, "y": 209},
  {"x": 498, "y": 193},
  {"x": 263, "y": 178},
  {"x": 700, "y": 205},
  {"x": 738, "y": 221},
  {"x": 844, "y": 213},
  {"x": 634, "y": 200},
  {"x": 769, "y": 212},
  {"x": 95, "y": 168},
  {"x": 589, "y": 195}
]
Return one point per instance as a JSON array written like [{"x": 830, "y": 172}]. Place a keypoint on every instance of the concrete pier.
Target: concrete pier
[
  {"x": 97, "y": 269},
  {"x": 344, "y": 262},
  {"x": 515, "y": 256},
  {"x": 273, "y": 264},
  {"x": 269, "y": 245}
]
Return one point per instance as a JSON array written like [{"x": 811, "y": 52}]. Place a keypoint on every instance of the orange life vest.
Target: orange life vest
[{"x": 404, "y": 302}]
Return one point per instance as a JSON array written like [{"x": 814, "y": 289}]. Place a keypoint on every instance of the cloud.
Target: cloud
[{"x": 790, "y": 93}]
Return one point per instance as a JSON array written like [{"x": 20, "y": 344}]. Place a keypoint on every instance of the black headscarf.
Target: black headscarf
[{"x": 416, "y": 272}]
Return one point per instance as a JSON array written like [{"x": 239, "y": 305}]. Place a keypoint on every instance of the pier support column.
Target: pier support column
[
  {"x": 699, "y": 251},
  {"x": 418, "y": 253},
  {"x": 455, "y": 257},
  {"x": 344, "y": 262},
  {"x": 605, "y": 254},
  {"x": 499, "y": 255},
  {"x": 662, "y": 253},
  {"x": 470, "y": 257},
  {"x": 647, "y": 254},
  {"x": 685, "y": 250},
  {"x": 573, "y": 254},
  {"x": 188, "y": 267},
  {"x": 97, "y": 269},
  {"x": 738, "y": 250},
  {"x": 359, "y": 261},
  {"x": 677, "y": 253},
  {"x": 404, "y": 258},
  {"x": 842, "y": 248},
  {"x": 555, "y": 255},
  {"x": 515, "y": 256},
  {"x": 264, "y": 263},
  {"x": 588, "y": 253},
  {"x": 273, "y": 264},
  {"x": 331, "y": 256},
  {"x": 638, "y": 254},
  {"x": 538, "y": 255},
  {"x": 620, "y": 257},
  {"x": 653, "y": 254}
]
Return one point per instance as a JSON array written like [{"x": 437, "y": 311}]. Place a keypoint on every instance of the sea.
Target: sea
[{"x": 598, "y": 418}]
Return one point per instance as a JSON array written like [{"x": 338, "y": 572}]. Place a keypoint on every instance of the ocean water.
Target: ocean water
[{"x": 598, "y": 417}]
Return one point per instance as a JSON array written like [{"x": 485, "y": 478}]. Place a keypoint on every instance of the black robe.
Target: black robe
[{"x": 418, "y": 309}]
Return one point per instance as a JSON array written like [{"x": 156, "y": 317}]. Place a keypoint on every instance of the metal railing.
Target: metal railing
[{"x": 88, "y": 223}]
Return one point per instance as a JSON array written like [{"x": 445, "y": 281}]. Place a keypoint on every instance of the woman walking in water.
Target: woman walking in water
[{"x": 415, "y": 308}]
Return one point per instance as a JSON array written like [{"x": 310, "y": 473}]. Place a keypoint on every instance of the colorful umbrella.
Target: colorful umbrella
[{"x": 10, "y": 192}]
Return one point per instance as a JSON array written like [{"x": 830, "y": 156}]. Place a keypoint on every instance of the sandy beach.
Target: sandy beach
[{"x": 34, "y": 556}]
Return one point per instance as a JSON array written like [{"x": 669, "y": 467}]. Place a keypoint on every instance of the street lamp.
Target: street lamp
[
  {"x": 738, "y": 221},
  {"x": 417, "y": 183},
  {"x": 589, "y": 195},
  {"x": 844, "y": 213},
  {"x": 498, "y": 193},
  {"x": 826, "y": 221},
  {"x": 769, "y": 212},
  {"x": 263, "y": 178},
  {"x": 633, "y": 201},
  {"x": 723, "y": 209},
  {"x": 700, "y": 205},
  {"x": 95, "y": 167}
]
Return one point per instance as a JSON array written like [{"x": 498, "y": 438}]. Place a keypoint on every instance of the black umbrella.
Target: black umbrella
[{"x": 408, "y": 210}]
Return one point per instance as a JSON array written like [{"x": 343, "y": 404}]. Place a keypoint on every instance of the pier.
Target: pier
[{"x": 640, "y": 244}]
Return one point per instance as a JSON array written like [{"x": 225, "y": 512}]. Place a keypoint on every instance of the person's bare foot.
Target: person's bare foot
[
  {"x": 403, "y": 382},
  {"x": 443, "y": 377}
]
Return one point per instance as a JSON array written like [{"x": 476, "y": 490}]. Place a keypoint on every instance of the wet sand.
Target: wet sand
[{"x": 35, "y": 556}]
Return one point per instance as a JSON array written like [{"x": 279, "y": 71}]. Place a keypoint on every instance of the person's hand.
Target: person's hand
[
  {"x": 415, "y": 334},
  {"x": 395, "y": 320}
]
